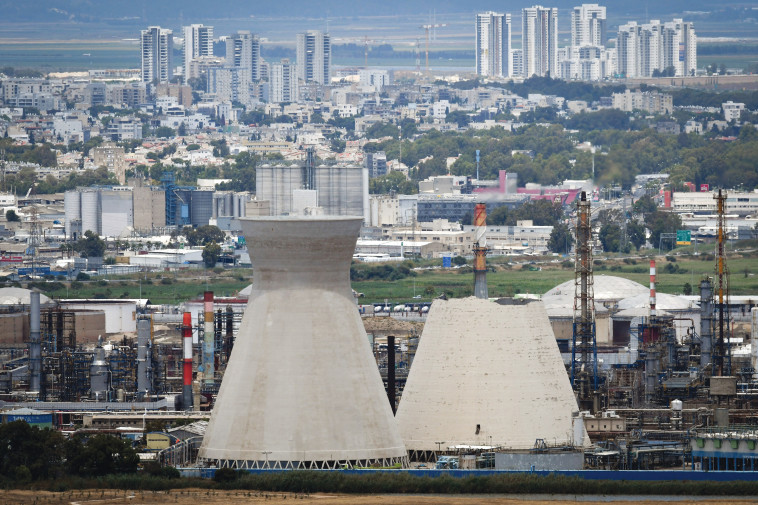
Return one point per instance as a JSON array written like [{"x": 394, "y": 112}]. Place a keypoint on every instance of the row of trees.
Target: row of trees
[
  {"x": 621, "y": 155},
  {"x": 28, "y": 453}
]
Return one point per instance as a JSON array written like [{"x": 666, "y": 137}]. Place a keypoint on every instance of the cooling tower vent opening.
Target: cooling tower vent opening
[{"x": 478, "y": 428}]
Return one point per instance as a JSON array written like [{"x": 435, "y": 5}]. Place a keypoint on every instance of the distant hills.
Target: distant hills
[{"x": 161, "y": 11}]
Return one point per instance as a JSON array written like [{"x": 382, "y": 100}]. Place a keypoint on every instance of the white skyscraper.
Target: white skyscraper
[
  {"x": 627, "y": 48},
  {"x": 588, "y": 25},
  {"x": 283, "y": 82},
  {"x": 156, "y": 44},
  {"x": 539, "y": 41},
  {"x": 493, "y": 44},
  {"x": 656, "y": 48},
  {"x": 198, "y": 41},
  {"x": 314, "y": 57},
  {"x": 243, "y": 50}
]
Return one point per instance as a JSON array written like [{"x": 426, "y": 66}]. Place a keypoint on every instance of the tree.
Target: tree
[
  {"x": 662, "y": 222},
  {"x": 211, "y": 254},
  {"x": 165, "y": 132},
  {"x": 40, "y": 451},
  {"x": 610, "y": 236},
  {"x": 11, "y": 216},
  {"x": 203, "y": 235},
  {"x": 645, "y": 205},
  {"x": 90, "y": 246},
  {"x": 458, "y": 260},
  {"x": 687, "y": 289},
  {"x": 635, "y": 232},
  {"x": 100, "y": 455},
  {"x": 560, "y": 240}
]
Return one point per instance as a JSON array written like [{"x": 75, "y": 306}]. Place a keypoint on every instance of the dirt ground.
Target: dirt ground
[{"x": 210, "y": 497}]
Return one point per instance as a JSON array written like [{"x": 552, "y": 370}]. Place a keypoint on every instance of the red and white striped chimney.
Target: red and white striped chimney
[
  {"x": 187, "y": 372},
  {"x": 652, "y": 288}
]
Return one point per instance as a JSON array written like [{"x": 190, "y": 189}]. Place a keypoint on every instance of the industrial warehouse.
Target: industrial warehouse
[{"x": 599, "y": 373}]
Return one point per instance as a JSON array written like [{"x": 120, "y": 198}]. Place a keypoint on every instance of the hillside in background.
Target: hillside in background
[{"x": 117, "y": 12}]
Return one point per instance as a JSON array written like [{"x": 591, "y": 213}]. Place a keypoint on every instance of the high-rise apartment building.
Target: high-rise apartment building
[
  {"x": 627, "y": 45},
  {"x": 493, "y": 45},
  {"x": 314, "y": 57},
  {"x": 198, "y": 42},
  {"x": 243, "y": 50},
  {"x": 539, "y": 41},
  {"x": 156, "y": 44},
  {"x": 588, "y": 25},
  {"x": 657, "y": 48},
  {"x": 283, "y": 82}
]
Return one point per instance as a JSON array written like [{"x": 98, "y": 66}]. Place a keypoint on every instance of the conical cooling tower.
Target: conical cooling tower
[
  {"x": 485, "y": 374},
  {"x": 302, "y": 389}
]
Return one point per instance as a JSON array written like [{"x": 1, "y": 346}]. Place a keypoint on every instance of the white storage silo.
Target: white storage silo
[
  {"x": 72, "y": 209},
  {"x": 90, "y": 200}
]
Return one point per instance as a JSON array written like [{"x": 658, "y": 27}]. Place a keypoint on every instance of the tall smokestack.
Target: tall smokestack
[
  {"x": 480, "y": 251},
  {"x": 208, "y": 339},
  {"x": 187, "y": 372},
  {"x": 35, "y": 351},
  {"x": 652, "y": 288},
  {"x": 706, "y": 322},
  {"x": 144, "y": 382}
]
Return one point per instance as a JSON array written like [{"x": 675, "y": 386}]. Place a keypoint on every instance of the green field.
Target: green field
[{"x": 505, "y": 279}]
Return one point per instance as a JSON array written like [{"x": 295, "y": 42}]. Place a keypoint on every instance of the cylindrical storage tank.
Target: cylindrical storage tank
[
  {"x": 676, "y": 405},
  {"x": 72, "y": 202},
  {"x": 302, "y": 389},
  {"x": 91, "y": 211}
]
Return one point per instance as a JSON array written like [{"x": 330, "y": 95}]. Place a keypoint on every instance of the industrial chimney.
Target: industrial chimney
[
  {"x": 302, "y": 389},
  {"x": 35, "y": 349},
  {"x": 480, "y": 251}
]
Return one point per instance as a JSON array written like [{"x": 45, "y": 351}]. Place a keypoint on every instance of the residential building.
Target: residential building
[
  {"x": 376, "y": 163},
  {"x": 588, "y": 25},
  {"x": 198, "y": 42},
  {"x": 112, "y": 157},
  {"x": 243, "y": 50},
  {"x": 375, "y": 77},
  {"x": 539, "y": 41},
  {"x": 314, "y": 57},
  {"x": 656, "y": 48},
  {"x": 156, "y": 46},
  {"x": 124, "y": 128},
  {"x": 493, "y": 45},
  {"x": 283, "y": 83},
  {"x": 732, "y": 110},
  {"x": 229, "y": 84},
  {"x": 650, "y": 101}
]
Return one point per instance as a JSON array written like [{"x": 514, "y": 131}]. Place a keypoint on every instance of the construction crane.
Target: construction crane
[
  {"x": 366, "y": 42},
  {"x": 426, "y": 28}
]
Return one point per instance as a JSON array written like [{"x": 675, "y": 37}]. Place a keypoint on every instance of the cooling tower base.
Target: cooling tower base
[{"x": 307, "y": 465}]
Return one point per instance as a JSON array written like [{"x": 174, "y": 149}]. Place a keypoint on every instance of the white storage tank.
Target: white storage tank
[
  {"x": 90, "y": 211},
  {"x": 72, "y": 208}
]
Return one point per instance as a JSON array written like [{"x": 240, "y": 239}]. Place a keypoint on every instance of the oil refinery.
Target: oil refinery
[{"x": 598, "y": 373}]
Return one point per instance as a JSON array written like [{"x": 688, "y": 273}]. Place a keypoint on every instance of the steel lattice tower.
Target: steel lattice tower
[{"x": 584, "y": 348}]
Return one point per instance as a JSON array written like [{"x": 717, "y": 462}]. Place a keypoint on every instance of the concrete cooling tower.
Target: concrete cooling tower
[
  {"x": 302, "y": 389},
  {"x": 485, "y": 374}
]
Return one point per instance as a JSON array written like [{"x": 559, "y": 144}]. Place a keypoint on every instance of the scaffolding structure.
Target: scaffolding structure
[
  {"x": 584, "y": 378},
  {"x": 722, "y": 357}
]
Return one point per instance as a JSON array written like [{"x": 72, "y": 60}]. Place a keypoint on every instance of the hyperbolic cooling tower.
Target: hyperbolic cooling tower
[
  {"x": 485, "y": 374},
  {"x": 302, "y": 389}
]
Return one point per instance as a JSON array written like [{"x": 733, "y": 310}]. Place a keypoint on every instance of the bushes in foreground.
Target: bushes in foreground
[{"x": 371, "y": 482}]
